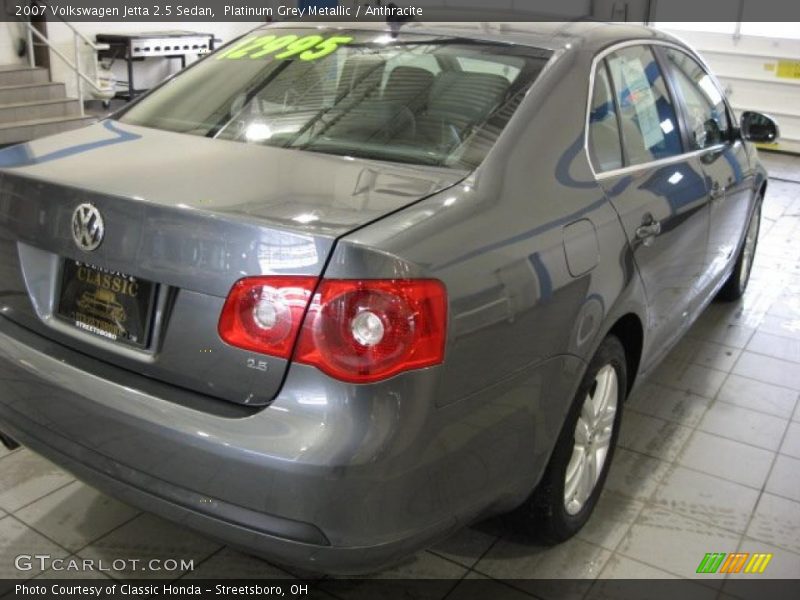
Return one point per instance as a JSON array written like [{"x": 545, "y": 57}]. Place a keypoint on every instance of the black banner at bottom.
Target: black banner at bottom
[{"x": 473, "y": 587}]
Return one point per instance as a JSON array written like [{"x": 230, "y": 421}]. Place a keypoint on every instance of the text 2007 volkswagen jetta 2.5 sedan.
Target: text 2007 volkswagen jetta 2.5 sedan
[{"x": 332, "y": 293}]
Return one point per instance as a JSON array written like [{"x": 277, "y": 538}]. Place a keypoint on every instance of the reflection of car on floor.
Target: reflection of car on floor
[
  {"x": 403, "y": 279},
  {"x": 103, "y": 304}
]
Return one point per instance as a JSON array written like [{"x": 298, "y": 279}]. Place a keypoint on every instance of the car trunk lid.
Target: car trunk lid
[{"x": 190, "y": 215}]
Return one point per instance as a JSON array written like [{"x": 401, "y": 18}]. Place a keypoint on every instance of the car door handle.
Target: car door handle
[{"x": 648, "y": 231}]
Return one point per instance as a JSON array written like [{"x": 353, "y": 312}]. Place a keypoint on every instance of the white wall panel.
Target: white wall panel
[{"x": 9, "y": 34}]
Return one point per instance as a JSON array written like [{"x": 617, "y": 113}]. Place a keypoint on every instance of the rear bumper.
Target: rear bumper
[
  {"x": 264, "y": 535},
  {"x": 330, "y": 477}
]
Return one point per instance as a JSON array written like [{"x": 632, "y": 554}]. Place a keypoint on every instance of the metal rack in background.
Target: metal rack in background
[{"x": 137, "y": 47}]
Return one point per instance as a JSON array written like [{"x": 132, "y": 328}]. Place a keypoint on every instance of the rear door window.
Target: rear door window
[
  {"x": 647, "y": 115},
  {"x": 604, "y": 141},
  {"x": 706, "y": 114}
]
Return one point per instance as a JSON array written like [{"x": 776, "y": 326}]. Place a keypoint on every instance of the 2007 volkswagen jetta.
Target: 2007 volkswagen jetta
[{"x": 331, "y": 293}]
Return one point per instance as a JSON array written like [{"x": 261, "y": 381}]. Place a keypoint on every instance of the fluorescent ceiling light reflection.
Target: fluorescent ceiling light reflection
[
  {"x": 305, "y": 218},
  {"x": 258, "y": 132}
]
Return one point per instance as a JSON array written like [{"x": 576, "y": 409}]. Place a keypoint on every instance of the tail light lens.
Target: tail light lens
[
  {"x": 264, "y": 314},
  {"x": 358, "y": 331},
  {"x": 364, "y": 331}
]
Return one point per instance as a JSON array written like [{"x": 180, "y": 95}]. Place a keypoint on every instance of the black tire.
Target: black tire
[
  {"x": 544, "y": 515},
  {"x": 736, "y": 284}
]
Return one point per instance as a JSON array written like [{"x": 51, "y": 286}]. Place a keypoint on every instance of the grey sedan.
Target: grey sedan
[{"x": 332, "y": 293}]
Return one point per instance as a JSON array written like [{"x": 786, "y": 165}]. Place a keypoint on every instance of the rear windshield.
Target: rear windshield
[{"x": 403, "y": 98}]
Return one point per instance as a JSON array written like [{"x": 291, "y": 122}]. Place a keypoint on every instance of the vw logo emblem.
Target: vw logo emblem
[{"x": 88, "y": 228}]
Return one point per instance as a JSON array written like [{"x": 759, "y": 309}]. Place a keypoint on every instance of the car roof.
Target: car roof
[{"x": 549, "y": 35}]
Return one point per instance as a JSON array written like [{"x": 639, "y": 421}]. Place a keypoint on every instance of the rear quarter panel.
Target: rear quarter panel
[{"x": 500, "y": 241}]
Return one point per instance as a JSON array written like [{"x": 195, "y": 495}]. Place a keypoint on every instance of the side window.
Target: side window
[
  {"x": 706, "y": 114},
  {"x": 647, "y": 116},
  {"x": 604, "y": 144}
]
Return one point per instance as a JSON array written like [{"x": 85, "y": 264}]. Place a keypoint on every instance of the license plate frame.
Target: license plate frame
[{"x": 109, "y": 305}]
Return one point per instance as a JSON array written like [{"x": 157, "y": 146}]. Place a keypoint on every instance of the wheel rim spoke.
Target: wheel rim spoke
[
  {"x": 582, "y": 433},
  {"x": 587, "y": 412},
  {"x": 608, "y": 378},
  {"x": 588, "y": 478},
  {"x": 575, "y": 472}
]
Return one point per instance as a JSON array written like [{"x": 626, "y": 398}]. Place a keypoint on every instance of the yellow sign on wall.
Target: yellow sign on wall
[{"x": 788, "y": 69}]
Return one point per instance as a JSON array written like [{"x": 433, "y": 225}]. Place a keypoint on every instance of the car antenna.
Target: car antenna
[{"x": 394, "y": 21}]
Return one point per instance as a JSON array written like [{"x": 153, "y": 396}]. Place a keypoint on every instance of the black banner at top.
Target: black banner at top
[{"x": 259, "y": 11}]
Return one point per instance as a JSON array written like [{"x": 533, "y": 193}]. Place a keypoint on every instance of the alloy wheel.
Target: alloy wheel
[
  {"x": 749, "y": 249},
  {"x": 593, "y": 433}
]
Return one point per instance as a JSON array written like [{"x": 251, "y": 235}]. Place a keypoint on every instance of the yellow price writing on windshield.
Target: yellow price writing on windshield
[{"x": 309, "y": 47}]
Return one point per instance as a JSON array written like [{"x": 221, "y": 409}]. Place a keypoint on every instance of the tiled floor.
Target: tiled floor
[{"x": 709, "y": 462}]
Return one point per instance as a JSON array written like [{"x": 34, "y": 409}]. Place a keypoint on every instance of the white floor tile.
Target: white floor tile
[
  {"x": 784, "y": 480},
  {"x": 466, "y": 546},
  {"x": 231, "y": 564},
  {"x": 707, "y": 498},
  {"x": 690, "y": 378},
  {"x": 782, "y": 565},
  {"x": 26, "y": 477},
  {"x": 612, "y": 517},
  {"x": 75, "y": 515},
  {"x": 574, "y": 559},
  {"x": 634, "y": 475},
  {"x": 681, "y": 407},
  {"x": 674, "y": 543},
  {"x": 775, "y": 346},
  {"x": 622, "y": 567},
  {"x": 736, "y": 336},
  {"x": 149, "y": 537},
  {"x": 727, "y": 459},
  {"x": 788, "y": 327},
  {"x": 760, "y": 396},
  {"x": 768, "y": 369},
  {"x": 776, "y": 521},
  {"x": 743, "y": 425},
  {"x": 18, "y": 539},
  {"x": 791, "y": 443},
  {"x": 715, "y": 356},
  {"x": 654, "y": 437}
]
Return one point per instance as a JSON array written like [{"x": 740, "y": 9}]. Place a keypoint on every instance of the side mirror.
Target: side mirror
[{"x": 758, "y": 127}]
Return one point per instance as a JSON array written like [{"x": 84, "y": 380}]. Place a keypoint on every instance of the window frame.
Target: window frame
[
  {"x": 677, "y": 92},
  {"x": 623, "y": 155},
  {"x": 598, "y": 61}
]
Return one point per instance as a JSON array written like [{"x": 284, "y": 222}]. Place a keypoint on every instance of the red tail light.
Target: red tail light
[
  {"x": 355, "y": 330},
  {"x": 363, "y": 331},
  {"x": 264, "y": 314}
]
